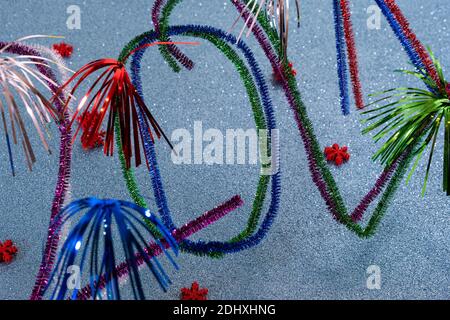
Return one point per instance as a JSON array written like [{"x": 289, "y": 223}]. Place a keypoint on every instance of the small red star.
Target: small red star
[
  {"x": 277, "y": 76},
  {"x": 194, "y": 293},
  {"x": 7, "y": 251},
  {"x": 64, "y": 49},
  {"x": 336, "y": 154}
]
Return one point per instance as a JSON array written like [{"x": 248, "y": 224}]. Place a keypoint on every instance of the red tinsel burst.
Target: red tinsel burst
[
  {"x": 7, "y": 251},
  {"x": 194, "y": 293},
  {"x": 64, "y": 49},
  {"x": 352, "y": 55},
  {"x": 336, "y": 154},
  {"x": 113, "y": 96}
]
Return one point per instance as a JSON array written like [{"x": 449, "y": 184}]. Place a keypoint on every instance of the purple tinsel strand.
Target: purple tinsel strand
[{"x": 65, "y": 153}]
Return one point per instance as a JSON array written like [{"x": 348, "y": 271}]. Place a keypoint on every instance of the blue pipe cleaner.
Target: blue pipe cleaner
[
  {"x": 212, "y": 246},
  {"x": 341, "y": 58}
]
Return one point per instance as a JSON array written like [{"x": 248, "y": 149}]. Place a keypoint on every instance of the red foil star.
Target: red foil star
[
  {"x": 7, "y": 251},
  {"x": 277, "y": 76},
  {"x": 86, "y": 125},
  {"x": 336, "y": 154},
  {"x": 64, "y": 49},
  {"x": 194, "y": 293}
]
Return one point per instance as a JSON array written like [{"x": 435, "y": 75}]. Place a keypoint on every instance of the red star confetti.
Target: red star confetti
[
  {"x": 7, "y": 251},
  {"x": 194, "y": 293},
  {"x": 336, "y": 154},
  {"x": 86, "y": 124},
  {"x": 277, "y": 75},
  {"x": 64, "y": 49}
]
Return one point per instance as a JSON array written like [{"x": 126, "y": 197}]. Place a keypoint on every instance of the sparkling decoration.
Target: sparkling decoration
[
  {"x": 352, "y": 54},
  {"x": 341, "y": 58},
  {"x": 337, "y": 154},
  {"x": 116, "y": 101},
  {"x": 277, "y": 11},
  {"x": 7, "y": 251},
  {"x": 386, "y": 184},
  {"x": 63, "y": 49},
  {"x": 102, "y": 217},
  {"x": 321, "y": 175},
  {"x": 116, "y": 96},
  {"x": 170, "y": 50},
  {"x": 415, "y": 49},
  {"x": 194, "y": 292}
]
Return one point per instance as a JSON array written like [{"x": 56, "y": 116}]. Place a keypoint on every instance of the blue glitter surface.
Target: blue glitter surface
[{"x": 306, "y": 255}]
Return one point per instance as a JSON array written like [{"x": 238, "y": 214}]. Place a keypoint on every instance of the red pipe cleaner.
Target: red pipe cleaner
[
  {"x": 418, "y": 46},
  {"x": 352, "y": 54}
]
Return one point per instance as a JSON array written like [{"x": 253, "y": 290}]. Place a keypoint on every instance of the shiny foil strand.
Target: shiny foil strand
[
  {"x": 408, "y": 47},
  {"x": 138, "y": 86}
]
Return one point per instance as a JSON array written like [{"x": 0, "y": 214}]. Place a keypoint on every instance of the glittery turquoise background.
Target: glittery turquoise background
[{"x": 307, "y": 255}]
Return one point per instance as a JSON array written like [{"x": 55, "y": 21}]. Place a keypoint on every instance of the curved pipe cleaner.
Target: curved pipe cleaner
[{"x": 213, "y": 246}]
